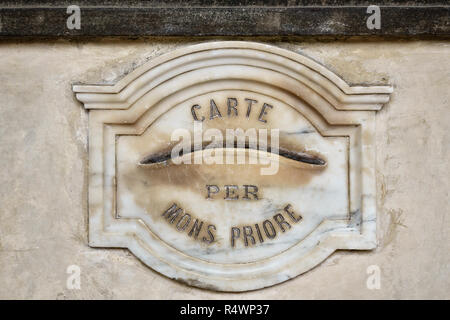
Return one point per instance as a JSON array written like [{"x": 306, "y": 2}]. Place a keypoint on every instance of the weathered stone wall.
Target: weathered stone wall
[{"x": 43, "y": 180}]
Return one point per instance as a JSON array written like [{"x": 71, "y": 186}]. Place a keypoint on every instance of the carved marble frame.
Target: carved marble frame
[{"x": 327, "y": 101}]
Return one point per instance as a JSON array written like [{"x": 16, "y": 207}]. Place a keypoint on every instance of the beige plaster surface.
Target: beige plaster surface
[{"x": 43, "y": 178}]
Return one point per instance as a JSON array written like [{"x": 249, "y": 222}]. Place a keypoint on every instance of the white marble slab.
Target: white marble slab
[{"x": 218, "y": 240}]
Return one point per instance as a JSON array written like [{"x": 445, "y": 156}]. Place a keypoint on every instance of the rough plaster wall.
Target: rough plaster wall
[{"x": 43, "y": 176}]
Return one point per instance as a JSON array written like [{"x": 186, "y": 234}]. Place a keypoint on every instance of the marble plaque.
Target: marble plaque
[{"x": 232, "y": 165}]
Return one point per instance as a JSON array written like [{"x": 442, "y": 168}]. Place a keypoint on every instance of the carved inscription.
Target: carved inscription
[
  {"x": 254, "y": 234},
  {"x": 231, "y": 109},
  {"x": 249, "y": 234},
  {"x": 232, "y": 192},
  {"x": 185, "y": 222}
]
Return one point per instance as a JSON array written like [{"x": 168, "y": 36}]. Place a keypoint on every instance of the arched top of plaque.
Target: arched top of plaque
[{"x": 226, "y": 227}]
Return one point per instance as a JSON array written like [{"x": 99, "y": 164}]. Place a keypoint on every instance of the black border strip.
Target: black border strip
[
  {"x": 141, "y": 19},
  {"x": 176, "y": 309}
]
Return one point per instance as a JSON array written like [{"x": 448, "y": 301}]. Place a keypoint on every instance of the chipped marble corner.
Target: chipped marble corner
[{"x": 179, "y": 220}]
